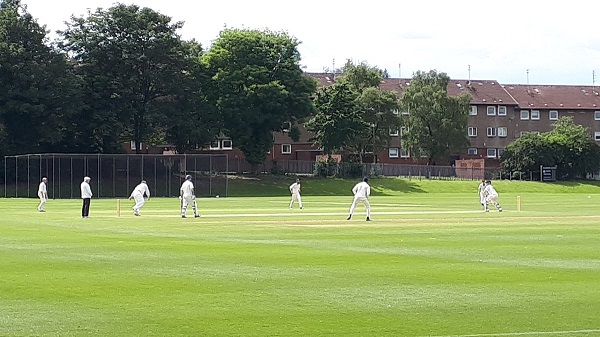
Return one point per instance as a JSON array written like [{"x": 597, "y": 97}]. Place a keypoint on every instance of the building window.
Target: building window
[
  {"x": 502, "y": 110},
  {"x": 285, "y": 127},
  {"x": 132, "y": 145},
  {"x": 553, "y": 115},
  {"x": 395, "y": 111},
  {"x": 393, "y": 152},
  {"x": 500, "y": 152},
  {"x": 472, "y": 151},
  {"x": 597, "y": 136},
  {"x": 523, "y": 133},
  {"x": 535, "y": 114},
  {"x": 404, "y": 153},
  {"x": 215, "y": 145},
  {"x": 405, "y": 112},
  {"x": 524, "y": 114},
  {"x": 491, "y": 132},
  {"x": 227, "y": 144},
  {"x": 596, "y": 116},
  {"x": 286, "y": 148},
  {"x": 394, "y": 132},
  {"x": 502, "y": 131},
  {"x": 535, "y": 132},
  {"x": 491, "y": 153},
  {"x": 472, "y": 131},
  {"x": 473, "y": 111},
  {"x": 491, "y": 110}
]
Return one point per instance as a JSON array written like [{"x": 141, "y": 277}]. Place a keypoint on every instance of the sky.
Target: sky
[{"x": 511, "y": 41}]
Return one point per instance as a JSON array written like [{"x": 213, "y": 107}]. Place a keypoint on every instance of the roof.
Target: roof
[
  {"x": 491, "y": 92},
  {"x": 555, "y": 96}
]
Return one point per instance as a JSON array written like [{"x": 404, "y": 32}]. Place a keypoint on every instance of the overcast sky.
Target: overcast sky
[{"x": 512, "y": 41}]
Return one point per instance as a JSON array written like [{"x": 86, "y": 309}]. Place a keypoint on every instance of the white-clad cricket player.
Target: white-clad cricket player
[
  {"x": 139, "y": 194},
  {"x": 186, "y": 195},
  {"x": 43, "y": 194},
  {"x": 295, "y": 190},
  {"x": 480, "y": 190},
  {"x": 361, "y": 191},
  {"x": 491, "y": 196}
]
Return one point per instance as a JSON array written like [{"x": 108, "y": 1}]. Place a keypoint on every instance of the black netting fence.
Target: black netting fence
[{"x": 114, "y": 175}]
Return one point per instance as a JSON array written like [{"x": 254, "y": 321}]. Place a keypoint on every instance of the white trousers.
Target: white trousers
[
  {"x": 139, "y": 202},
  {"x": 186, "y": 201},
  {"x": 365, "y": 201},
  {"x": 296, "y": 197},
  {"x": 42, "y": 201}
]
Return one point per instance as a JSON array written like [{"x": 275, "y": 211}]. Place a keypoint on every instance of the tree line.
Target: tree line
[{"x": 124, "y": 74}]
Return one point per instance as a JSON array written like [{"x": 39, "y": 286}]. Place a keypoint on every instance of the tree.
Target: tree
[
  {"x": 527, "y": 153},
  {"x": 575, "y": 152},
  {"x": 354, "y": 115},
  {"x": 135, "y": 67},
  {"x": 436, "y": 123},
  {"x": 258, "y": 86},
  {"x": 568, "y": 146},
  {"x": 337, "y": 120},
  {"x": 37, "y": 88}
]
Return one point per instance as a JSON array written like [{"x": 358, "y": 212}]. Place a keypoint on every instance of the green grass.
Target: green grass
[{"x": 430, "y": 264}]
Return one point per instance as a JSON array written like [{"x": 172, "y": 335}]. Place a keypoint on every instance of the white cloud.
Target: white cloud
[{"x": 557, "y": 42}]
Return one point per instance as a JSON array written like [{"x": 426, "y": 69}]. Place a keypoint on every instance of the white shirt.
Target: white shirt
[
  {"x": 295, "y": 188},
  {"x": 481, "y": 188},
  {"x": 490, "y": 190},
  {"x": 42, "y": 188},
  {"x": 187, "y": 189},
  {"x": 361, "y": 190},
  {"x": 141, "y": 189},
  {"x": 86, "y": 190}
]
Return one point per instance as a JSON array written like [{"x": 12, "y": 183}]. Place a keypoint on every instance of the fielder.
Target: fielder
[
  {"x": 186, "y": 195},
  {"x": 295, "y": 190},
  {"x": 138, "y": 194},
  {"x": 361, "y": 191},
  {"x": 43, "y": 194},
  {"x": 491, "y": 196},
  {"x": 481, "y": 194}
]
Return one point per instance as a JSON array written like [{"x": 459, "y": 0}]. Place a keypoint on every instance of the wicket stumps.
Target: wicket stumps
[
  {"x": 519, "y": 203},
  {"x": 118, "y": 207}
]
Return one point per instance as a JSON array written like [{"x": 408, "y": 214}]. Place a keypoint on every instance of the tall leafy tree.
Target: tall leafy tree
[
  {"x": 338, "y": 119},
  {"x": 37, "y": 87},
  {"x": 575, "y": 152},
  {"x": 354, "y": 115},
  {"x": 258, "y": 86},
  {"x": 134, "y": 65},
  {"x": 527, "y": 153},
  {"x": 436, "y": 123}
]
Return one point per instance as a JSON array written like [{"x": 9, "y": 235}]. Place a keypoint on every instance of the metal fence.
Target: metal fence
[{"x": 114, "y": 175}]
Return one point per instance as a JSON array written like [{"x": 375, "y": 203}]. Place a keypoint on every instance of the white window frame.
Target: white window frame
[
  {"x": 523, "y": 133},
  {"x": 395, "y": 132},
  {"x": 491, "y": 132},
  {"x": 553, "y": 115},
  {"x": 524, "y": 115},
  {"x": 393, "y": 152},
  {"x": 226, "y": 144},
  {"x": 286, "y": 148},
  {"x": 473, "y": 111},
  {"x": 597, "y": 136},
  {"x": 499, "y": 152},
  {"x": 286, "y": 127},
  {"x": 472, "y": 131},
  {"x": 406, "y": 113},
  {"x": 472, "y": 151},
  {"x": 502, "y": 131},
  {"x": 395, "y": 111},
  {"x": 597, "y": 115},
  {"x": 132, "y": 145},
  {"x": 215, "y": 145},
  {"x": 491, "y": 153},
  {"x": 404, "y": 153},
  {"x": 491, "y": 110},
  {"x": 502, "y": 110},
  {"x": 535, "y": 115}
]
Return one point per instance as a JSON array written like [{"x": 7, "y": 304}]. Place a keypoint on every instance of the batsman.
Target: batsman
[{"x": 187, "y": 197}]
